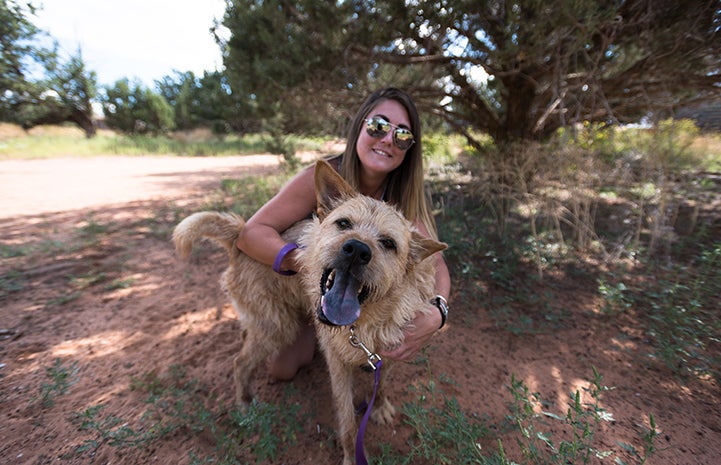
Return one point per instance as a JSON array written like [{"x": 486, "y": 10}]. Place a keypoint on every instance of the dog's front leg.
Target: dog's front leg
[
  {"x": 383, "y": 410},
  {"x": 341, "y": 378}
]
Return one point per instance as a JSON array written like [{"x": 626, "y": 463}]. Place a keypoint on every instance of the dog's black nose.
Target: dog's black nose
[{"x": 357, "y": 251}]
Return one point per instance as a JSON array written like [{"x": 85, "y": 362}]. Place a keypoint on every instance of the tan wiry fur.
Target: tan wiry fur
[{"x": 271, "y": 308}]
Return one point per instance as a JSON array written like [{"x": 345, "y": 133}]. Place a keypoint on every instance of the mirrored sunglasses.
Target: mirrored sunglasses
[{"x": 377, "y": 127}]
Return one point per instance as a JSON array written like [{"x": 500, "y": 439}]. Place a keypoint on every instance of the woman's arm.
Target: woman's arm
[
  {"x": 443, "y": 277},
  {"x": 260, "y": 236}
]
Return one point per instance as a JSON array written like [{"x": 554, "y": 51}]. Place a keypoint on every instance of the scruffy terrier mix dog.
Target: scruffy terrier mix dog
[{"x": 362, "y": 266}]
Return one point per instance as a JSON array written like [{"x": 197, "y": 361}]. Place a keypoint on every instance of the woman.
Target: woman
[{"x": 383, "y": 160}]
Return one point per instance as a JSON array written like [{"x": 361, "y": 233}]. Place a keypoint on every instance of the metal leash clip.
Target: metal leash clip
[{"x": 373, "y": 359}]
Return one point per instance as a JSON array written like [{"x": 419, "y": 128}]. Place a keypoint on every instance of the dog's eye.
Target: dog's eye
[
  {"x": 343, "y": 224},
  {"x": 388, "y": 243}
]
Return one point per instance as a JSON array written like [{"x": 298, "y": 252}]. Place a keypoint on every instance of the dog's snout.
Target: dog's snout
[{"x": 357, "y": 251}]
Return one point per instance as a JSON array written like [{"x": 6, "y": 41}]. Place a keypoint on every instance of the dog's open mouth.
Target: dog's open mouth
[{"x": 342, "y": 295}]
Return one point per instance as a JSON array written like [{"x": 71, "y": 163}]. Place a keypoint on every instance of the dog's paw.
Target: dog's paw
[
  {"x": 383, "y": 412},
  {"x": 242, "y": 407},
  {"x": 243, "y": 399}
]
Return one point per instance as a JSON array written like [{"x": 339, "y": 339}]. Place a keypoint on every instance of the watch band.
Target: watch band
[{"x": 442, "y": 305}]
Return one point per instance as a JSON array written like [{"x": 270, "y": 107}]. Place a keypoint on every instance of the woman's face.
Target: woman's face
[{"x": 381, "y": 156}]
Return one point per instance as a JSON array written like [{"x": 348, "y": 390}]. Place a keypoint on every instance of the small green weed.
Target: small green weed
[
  {"x": 447, "y": 434},
  {"x": 86, "y": 280},
  {"x": 442, "y": 434},
  {"x": 162, "y": 221},
  {"x": 648, "y": 438},
  {"x": 261, "y": 421},
  {"x": 171, "y": 406},
  {"x": 63, "y": 299},
  {"x": 680, "y": 311},
  {"x": 616, "y": 298},
  {"x": 581, "y": 422},
  {"x": 61, "y": 378},
  {"x": 508, "y": 318},
  {"x": 12, "y": 251},
  {"x": 11, "y": 282},
  {"x": 51, "y": 246},
  {"x": 116, "y": 284},
  {"x": 176, "y": 405},
  {"x": 505, "y": 267},
  {"x": 92, "y": 229},
  {"x": 117, "y": 432}
]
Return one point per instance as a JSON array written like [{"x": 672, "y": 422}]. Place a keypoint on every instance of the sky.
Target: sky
[{"x": 135, "y": 39}]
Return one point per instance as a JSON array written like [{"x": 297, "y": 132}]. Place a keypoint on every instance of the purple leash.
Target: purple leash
[{"x": 360, "y": 456}]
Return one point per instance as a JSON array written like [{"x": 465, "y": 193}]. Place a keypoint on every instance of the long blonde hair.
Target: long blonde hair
[{"x": 405, "y": 187}]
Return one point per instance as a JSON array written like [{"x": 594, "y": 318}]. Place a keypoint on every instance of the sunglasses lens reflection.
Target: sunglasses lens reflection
[
  {"x": 403, "y": 139},
  {"x": 378, "y": 127}
]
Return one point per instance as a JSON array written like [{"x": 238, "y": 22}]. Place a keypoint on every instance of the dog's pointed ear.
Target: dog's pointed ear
[
  {"x": 329, "y": 186},
  {"x": 423, "y": 247}
]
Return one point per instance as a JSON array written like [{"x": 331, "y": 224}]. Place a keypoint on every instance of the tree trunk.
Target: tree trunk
[{"x": 84, "y": 121}]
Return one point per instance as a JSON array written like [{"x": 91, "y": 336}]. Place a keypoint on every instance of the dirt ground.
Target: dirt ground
[{"x": 99, "y": 293}]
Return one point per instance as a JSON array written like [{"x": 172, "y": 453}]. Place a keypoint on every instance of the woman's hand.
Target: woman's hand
[{"x": 416, "y": 336}]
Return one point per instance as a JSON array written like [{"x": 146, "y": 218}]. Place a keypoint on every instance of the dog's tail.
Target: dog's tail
[{"x": 223, "y": 228}]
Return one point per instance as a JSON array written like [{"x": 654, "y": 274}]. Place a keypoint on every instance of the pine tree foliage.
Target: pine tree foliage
[{"x": 516, "y": 70}]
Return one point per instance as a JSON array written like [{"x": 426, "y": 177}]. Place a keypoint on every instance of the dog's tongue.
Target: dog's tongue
[{"x": 340, "y": 304}]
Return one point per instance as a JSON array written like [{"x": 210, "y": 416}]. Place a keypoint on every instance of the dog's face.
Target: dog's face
[{"x": 358, "y": 249}]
